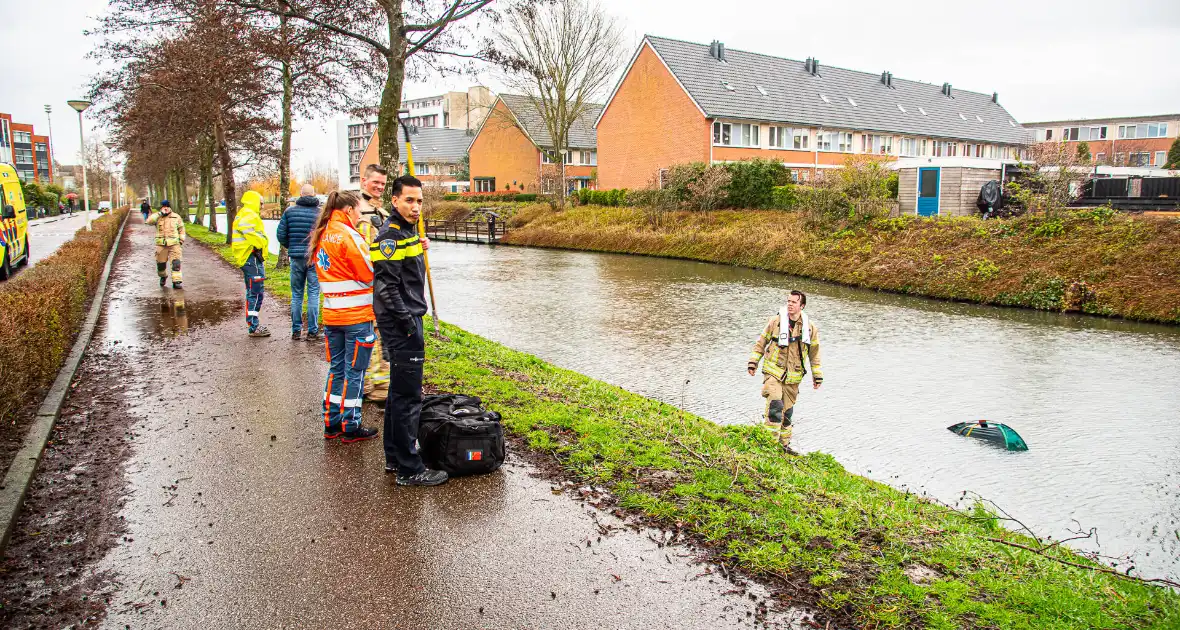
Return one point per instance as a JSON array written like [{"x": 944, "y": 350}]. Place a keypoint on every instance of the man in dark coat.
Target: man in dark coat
[{"x": 294, "y": 229}]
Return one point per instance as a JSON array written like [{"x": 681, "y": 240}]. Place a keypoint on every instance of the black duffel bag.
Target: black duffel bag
[{"x": 457, "y": 435}]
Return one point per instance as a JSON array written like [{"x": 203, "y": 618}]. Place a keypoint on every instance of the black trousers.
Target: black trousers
[{"x": 407, "y": 354}]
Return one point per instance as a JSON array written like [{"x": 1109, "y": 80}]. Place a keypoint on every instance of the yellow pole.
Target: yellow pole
[{"x": 422, "y": 234}]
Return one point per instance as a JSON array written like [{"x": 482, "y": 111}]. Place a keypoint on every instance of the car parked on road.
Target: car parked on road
[{"x": 14, "y": 223}]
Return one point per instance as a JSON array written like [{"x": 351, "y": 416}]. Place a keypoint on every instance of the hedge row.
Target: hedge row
[
  {"x": 490, "y": 196},
  {"x": 41, "y": 310}
]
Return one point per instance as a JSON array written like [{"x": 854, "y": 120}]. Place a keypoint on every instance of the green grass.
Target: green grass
[
  {"x": 844, "y": 541},
  {"x": 278, "y": 281},
  {"x": 847, "y": 538}
]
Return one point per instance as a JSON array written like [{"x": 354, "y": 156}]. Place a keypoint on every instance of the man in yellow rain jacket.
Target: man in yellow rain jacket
[
  {"x": 169, "y": 238},
  {"x": 248, "y": 246},
  {"x": 781, "y": 350}
]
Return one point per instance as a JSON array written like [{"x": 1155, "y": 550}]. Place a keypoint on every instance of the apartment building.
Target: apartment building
[
  {"x": 1140, "y": 141},
  {"x": 438, "y": 157},
  {"x": 686, "y": 102},
  {"x": 513, "y": 148},
  {"x": 453, "y": 110},
  {"x": 27, "y": 152}
]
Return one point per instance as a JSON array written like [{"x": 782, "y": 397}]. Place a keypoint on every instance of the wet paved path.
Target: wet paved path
[{"x": 239, "y": 515}]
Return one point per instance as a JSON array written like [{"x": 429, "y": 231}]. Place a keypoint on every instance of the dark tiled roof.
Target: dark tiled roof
[
  {"x": 582, "y": 134},
  {"x": 436, "y": 144},
  {"x": 793, "y": 96}
]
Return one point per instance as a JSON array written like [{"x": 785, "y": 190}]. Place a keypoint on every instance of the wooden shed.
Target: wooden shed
[{"x": 943, "y": 186}]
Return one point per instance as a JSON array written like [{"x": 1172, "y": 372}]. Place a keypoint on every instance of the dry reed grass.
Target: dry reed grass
[{"x": 1122, "y": 266}]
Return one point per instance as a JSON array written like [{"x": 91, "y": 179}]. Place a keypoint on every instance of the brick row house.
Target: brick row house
[
  {"x": 512, "y": 149},
  {"x": 683, "y": 102},
  {"x": 438, "y": 156},
  {"x": 1141, "y": 141}
]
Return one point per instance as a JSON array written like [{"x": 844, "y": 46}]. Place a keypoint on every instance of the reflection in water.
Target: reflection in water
[
  {"x": 1095, "y": 399},
  {"x": 135, "y": 319}
]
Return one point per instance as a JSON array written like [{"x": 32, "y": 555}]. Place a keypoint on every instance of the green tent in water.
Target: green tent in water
[{"x": 1001, "y": 434}]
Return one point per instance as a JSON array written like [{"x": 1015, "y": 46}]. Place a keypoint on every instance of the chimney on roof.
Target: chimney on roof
[
  {"x": 717, "y": 50},
  {"x": 887, "y": 79},
  {"x": 811, "y": 66},
  {"x": 946, "y": 90},
  {"x": 996, "y": 98}
]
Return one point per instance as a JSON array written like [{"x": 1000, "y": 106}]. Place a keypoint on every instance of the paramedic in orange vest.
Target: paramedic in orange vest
[{"x": 341, "y": 257}]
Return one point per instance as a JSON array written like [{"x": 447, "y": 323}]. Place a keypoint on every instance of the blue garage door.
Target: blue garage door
[{"x": 928, "y": 192}]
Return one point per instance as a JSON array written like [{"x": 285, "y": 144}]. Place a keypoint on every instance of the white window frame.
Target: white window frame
[
  {"x": 777, "y": 137},
  {"x": 908, "y": 147},
  {"x": 17, "y": 135},
  {"x": 741, "y": 135},
  {"x": 876, "y": 144},
  {"x": 1161, "y": 158},
  {"x": 1127, "y": 132},
  {"x": 799, "y": 139},
  {"x": 834, "y": 142}
]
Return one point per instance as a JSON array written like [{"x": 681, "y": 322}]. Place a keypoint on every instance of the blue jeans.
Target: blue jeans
[
  {"x": 302, "y": 273},
  {"x": 255, "y": 275},
  {"x": 349, "y": 350}
]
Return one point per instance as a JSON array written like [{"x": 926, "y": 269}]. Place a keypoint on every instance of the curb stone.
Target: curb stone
[{"x": 24, "y": 464}]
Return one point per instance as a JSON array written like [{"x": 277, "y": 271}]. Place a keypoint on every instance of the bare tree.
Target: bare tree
[
  {"x": 1054, "y": 180},
  {"x": 394, "y": 33},
  {"x": 563, "y": 56}
]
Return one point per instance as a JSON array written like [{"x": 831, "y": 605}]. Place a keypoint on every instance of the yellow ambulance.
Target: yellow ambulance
[{"x": 14, "y": 223}]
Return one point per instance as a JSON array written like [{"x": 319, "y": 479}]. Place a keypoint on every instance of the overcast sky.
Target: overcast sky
[{"x": 1048, "y": 59}]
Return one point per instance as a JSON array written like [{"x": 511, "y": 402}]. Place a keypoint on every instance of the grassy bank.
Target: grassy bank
[
  {"x": 1090, "y": 261},
  {"x": 278, "y": 281},
  {"x": 862, "y": 552}
]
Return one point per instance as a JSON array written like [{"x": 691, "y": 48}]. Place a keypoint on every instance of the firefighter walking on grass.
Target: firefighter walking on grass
[
  {"x": 169, "y": 239},
  {"x": 782, "y": 349}
]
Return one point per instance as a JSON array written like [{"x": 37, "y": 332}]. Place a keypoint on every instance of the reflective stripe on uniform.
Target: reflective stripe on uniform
[
  {"x": 252, "y": 313},
  {"x": 352, "y": 402},
  {"x": 400, "y": 253},
  {"x": 348, "y": 301},
  {"x": 344, "y": 286}
]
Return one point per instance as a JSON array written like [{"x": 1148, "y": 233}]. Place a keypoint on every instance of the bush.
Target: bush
[
  {"x": 784, "y": 197},
  {"x": 490, "y": 196},
  {"x": 613, "y": 197},
  {"x": 753, "y": 182},
  {"x": 41, "y": 310},
  {"x": 526, "y": 197}
]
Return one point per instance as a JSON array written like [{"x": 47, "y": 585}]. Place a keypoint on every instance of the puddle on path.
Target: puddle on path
[{"x": 136, "y": 319}]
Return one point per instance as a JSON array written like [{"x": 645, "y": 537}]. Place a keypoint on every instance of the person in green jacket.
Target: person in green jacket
[{"x": 248, "y": 246}]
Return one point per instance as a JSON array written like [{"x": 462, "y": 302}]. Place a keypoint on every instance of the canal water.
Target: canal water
[{"x": 1098, "y": 401}]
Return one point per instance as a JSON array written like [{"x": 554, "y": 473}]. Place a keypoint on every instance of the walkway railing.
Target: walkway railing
[{"x": 489, "y": 230}]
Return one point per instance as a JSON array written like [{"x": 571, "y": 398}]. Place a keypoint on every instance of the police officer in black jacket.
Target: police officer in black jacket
[{"x": 399, "y": 302}]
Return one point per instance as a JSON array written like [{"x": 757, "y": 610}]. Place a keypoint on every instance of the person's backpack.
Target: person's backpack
[{"x": 457, "y": 435}]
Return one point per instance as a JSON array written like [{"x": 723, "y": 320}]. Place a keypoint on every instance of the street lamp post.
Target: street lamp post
[
  {"x": 80, "y": 106},
  {"x": 118, "y": 164},
  {"x": 52, "y": 151}
]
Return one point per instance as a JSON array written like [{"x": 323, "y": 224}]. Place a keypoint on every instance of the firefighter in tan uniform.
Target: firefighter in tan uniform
[
  {"x": 782, "y": 354},
  {"x": 169, "y": 239},
  {"x": 373, "y": 218}
]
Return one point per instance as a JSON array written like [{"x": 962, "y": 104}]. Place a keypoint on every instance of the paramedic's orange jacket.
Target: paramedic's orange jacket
[{"x": 345, "y": 273}]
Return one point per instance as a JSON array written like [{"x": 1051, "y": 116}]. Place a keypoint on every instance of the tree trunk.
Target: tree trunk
[
  {"x": 202, "y": 200},
  {"x": 391, "y": 98},
  {"x": 285, "y": 148},
  {"x": 227, "y": 177}
]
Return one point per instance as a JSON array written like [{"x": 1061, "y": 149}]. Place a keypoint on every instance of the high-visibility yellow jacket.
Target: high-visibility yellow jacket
[
  {"x": 169, "y": 228},
  {"x": 783, "y": 358},
  {"x": 248, "y": 232}
]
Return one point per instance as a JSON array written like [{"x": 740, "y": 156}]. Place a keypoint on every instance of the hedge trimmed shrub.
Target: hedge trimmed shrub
[
  {"x": 41, "y": 310},
  {"x": 784, "y": 197},
  {"x": 753, "y": 181},
  {"x": 613, "y": 197}
]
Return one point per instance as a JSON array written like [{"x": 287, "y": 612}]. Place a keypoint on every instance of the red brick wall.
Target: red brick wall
[
  {"x": 650, "y": 124},
  {"x": 503, "y": 151}
]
